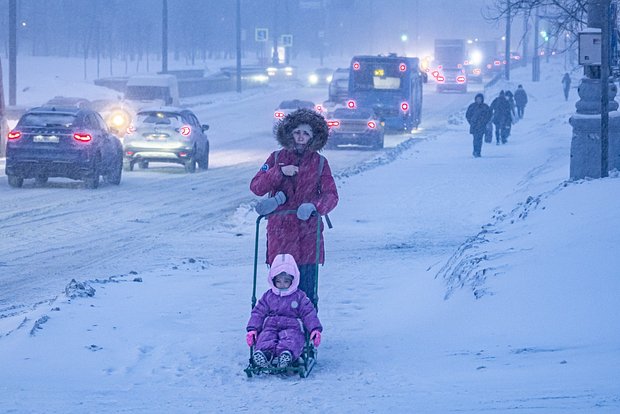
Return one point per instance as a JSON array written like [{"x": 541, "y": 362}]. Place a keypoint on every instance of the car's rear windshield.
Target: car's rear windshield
[
  {"x": 147, "y": 93},
  {"x": 48, "y": 120},
  {"x": 351, "y": 114},
  {"x": 296, "y": 104},
  {"x": 157, "y": 118}
]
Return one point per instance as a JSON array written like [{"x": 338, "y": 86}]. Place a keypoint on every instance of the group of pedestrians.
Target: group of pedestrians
[{"x": 505, "y": 110}]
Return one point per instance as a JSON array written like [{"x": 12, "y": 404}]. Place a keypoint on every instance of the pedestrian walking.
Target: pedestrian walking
[
  {"x": 566, "y": 85},
  {"x": 478, "y": 116},
  {"x": 520, "y": 100},
  {"x": 501, "y": 118}
]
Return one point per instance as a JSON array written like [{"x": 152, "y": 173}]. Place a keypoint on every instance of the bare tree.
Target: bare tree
[{"x": 562, "y": 16}]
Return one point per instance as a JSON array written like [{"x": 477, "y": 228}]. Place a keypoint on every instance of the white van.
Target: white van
[{"x": 153, "y": 90}]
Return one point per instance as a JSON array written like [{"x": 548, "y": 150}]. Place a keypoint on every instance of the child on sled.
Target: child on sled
[{"x": 274, "y": 326}]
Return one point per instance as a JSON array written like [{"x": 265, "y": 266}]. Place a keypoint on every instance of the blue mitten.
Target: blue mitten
[
  {"x": 270, "y": 204},
  {"x": 305, "y": 210}
]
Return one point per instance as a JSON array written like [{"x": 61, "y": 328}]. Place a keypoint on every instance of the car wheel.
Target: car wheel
[
  {"x": 15, "y": 181},
  {"x": 144, "y": 165},
  {"x": 128, "y": 165},
  {"x": 114, "y": 175},
  {"x": 190, "y": 164},
  {"x": 380, "y": 141},
  {"x": 203, "y": 163},
  {"x": 41, "y": 179},
  {"x": 92, "y": 181}
]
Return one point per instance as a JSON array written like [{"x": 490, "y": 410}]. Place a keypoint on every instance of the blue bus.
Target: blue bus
[{"x": 390, "y": 85}]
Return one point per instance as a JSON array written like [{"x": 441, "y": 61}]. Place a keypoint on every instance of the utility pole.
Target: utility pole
[
  {"x": 536, "y": 57},
  {"x": 238, "y": 46},
  {"x": 12, "y": 52},
  {"x": 164, "y": 37},
  {"x": 605, "y": 47},
  {"x": 507, "y": 66}
]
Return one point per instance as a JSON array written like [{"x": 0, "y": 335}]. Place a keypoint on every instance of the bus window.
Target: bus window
[{"x": 386, "y": 83}]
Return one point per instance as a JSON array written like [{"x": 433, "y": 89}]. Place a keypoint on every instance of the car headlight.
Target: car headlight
[{"x": 313, "y": 79}]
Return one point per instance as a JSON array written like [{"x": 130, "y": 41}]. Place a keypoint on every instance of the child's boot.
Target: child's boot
[
  {"x": 261, "y": 359},
  {"x": 285, "y": 359}
]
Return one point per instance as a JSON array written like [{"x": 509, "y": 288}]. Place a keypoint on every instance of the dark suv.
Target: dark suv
[{"x": 63, "y": 142}]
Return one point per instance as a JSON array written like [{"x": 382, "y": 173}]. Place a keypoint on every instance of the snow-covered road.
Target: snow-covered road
[{"x": 62, "y": 231}]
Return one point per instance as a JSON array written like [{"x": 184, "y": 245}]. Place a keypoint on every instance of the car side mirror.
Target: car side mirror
[{"x": 205, "y": 127}]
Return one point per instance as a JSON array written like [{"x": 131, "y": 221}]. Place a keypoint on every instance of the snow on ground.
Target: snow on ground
[{"x": 452, "y": 284}]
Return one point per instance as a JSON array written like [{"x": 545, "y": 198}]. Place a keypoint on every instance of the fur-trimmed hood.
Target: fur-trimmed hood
[{"x": 284, "y": 129}]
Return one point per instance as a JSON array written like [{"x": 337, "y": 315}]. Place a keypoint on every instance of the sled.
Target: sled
[{"x": 304, "y": 364}]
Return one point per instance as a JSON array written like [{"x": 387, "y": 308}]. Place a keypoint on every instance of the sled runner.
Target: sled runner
[{"x": 304, "y": 364}]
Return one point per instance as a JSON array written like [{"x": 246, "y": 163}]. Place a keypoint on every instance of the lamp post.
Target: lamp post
[
  {"x": 12, "y": 52},
  {"x": 164, "y": 37},
  {"x": 595, "y": 144}
]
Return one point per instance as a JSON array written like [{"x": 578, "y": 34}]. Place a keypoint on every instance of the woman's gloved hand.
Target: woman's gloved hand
[
  {"x": 305, "y": 210},
  {"x": 270, "y": 204}
]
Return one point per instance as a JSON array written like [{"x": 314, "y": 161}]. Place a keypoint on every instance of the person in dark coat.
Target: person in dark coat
[
  {"x": 274, "y": 323},
  {"x": 566, "y": 85},
  {"x": 520, "y": 101},
  {"x": 478, "y": 116},
  {"x": 501, "y": 118},
  {"x": 299, "y": 183}
]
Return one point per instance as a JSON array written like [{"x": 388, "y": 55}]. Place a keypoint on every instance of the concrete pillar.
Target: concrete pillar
[{"x": 585, "y": 148}]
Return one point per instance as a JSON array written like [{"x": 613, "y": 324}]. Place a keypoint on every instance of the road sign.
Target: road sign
[
  {"x": 286, "y": 40},
  {"x": 261, "y": 35}
]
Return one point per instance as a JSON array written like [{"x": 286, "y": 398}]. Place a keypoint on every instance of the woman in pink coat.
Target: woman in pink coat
[{"x": 298, "y": 180}]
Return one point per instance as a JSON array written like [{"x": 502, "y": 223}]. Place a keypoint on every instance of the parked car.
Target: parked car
[
  {"x": 286, "y": 107},
  {"x": 355, "y": 126},
  {"x": 320, "y": 77},
  {"x": 339, "y": 85},
  {"x": 166, "y": 134},
  {"x": 63, "y": 142}
]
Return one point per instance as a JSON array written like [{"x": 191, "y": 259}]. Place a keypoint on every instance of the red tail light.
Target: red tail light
[
  {"x": 82, "y": 137},
  {"x": 477, "y": 71},
  {"x": 129, "y": 153},
  {"x": 278, "y": 114},
  {"x": 351, "y": 104},
  {"x": 440, "y": 78},
  {"x": 460, "y": 79},
  {"x": 356, "y": 66},
  {"x": 372, "y": 125},
  {"x": 435, "y": 74},
  {"x": 497, "y": 62},
  {"x": 333, "y": 124},
  {"x": 14, "y": 135},
  {"x": 404, "y": 106},
  {"x": 185, "y": 130}
]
